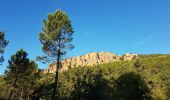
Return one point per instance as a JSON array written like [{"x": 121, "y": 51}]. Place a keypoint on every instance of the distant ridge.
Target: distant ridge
[{"x": 89, "y": 59}]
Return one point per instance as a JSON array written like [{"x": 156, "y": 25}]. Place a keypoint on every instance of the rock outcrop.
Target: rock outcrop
[{"x": 89, "y": 60}]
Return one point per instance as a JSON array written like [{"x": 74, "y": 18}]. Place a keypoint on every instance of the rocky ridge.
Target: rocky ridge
[{"x": 90, "y": 59}]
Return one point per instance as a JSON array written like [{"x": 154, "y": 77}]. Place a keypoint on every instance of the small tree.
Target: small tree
[
  {"x": 3, "y": 44},
  {"x": 19, "y": 72},
  {"x": 56, "y": 40}
]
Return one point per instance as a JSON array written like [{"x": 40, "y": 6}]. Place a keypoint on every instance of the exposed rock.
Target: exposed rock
[
  {"x": 89, "y": 60},
  {"x": 129, "y": 56}
]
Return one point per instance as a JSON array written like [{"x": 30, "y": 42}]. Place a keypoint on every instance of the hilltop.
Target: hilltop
[{"x": 90, "y": 59}]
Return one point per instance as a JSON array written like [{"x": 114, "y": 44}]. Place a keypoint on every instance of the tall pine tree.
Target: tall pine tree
[{"x": 56, "y": 40}]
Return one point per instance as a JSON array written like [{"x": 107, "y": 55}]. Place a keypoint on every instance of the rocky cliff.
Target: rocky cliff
[{"x": 89, "y": 60}]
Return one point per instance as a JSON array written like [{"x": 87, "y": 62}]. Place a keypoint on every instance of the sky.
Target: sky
[{"x": 118, "y": 26}]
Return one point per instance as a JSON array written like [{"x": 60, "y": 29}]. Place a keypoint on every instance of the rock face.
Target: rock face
[{"x": 89, "y": 60}]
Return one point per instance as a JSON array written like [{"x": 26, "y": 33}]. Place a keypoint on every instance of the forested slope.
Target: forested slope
[{"x": 145, "y": 78}]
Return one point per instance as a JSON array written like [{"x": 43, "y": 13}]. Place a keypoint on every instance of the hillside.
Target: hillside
[
  {"x": 90, "y": 59},
  {"x": 146, "y": 78}
]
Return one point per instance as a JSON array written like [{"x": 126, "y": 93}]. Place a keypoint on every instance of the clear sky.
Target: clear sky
[{"x": 118, "y": 26}]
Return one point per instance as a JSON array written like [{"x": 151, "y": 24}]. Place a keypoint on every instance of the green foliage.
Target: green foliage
[
  {"x": 4, "y": 89},
  {"x": 143, "y": 79},
  {"x": 20, "y": 74},
  {"x": 44, "y": 86},
  {"x": 90, "y": 86},
  {"x": 56, "y": 35},
  {"x": 3, "y": 44},
  {"x": 147, "y": 78},
  {"x": 130, "y": 86}
]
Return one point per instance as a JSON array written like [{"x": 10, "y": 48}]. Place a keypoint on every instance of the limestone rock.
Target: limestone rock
[
  {"x": 129, "y": 56},
  {"x": 89, "y": 60}
]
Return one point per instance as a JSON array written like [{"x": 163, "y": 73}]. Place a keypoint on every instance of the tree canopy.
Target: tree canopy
[
  {"x": 56, "y": 35},
  {"x": 20, "y": 74}
]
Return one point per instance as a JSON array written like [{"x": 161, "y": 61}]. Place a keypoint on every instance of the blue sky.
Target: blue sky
[{"x": 118, "y": 26}]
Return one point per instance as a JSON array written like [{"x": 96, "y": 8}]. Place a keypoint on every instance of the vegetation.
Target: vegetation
[
  {"x": 56, "y": 39},
  {"x": 147, "y": 78},
  {"x": 20, "y": 75}
]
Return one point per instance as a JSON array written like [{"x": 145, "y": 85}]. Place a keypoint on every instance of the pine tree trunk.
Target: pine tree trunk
[
  {"x": 56, "y": 81},
  {"x": 21, "y": 94},
  {"x": 28, "y": 97},
  {"x": 10, "y": 96},
  {"x": 57, "y": 69}
]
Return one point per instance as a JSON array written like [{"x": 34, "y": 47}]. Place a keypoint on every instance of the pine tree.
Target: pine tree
[
  {"x": 3, "y": 44},
  {"x": 19, "y": 73},
  {"x": 56, "y": 40}
]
